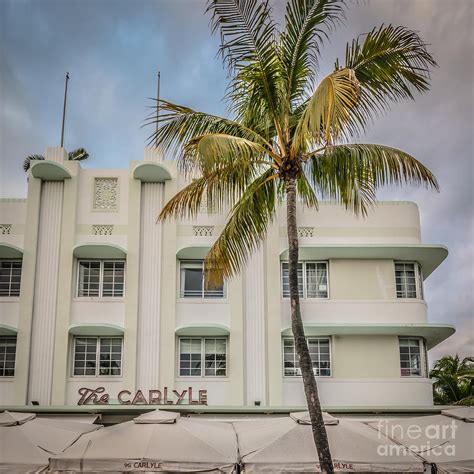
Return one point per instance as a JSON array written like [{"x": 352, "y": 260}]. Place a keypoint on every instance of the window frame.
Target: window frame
[
  {"x": 101, "y": 278},
  {"x": 13, "y": 260},
  {"x": 181, "y": 283},
  {"x": 296, "y": 376},
  {"x": 423, "y": 357},
  {"x": 203, "y": 357},
  {"x": 97, "y": 357},
  {"x": 305, "y": 284},
  {"x": 418, "y": 280},
  {"x": 3, "y": 357}
]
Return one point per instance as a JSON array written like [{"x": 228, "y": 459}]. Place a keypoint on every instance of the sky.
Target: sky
[{"x": 114, "y": 48}]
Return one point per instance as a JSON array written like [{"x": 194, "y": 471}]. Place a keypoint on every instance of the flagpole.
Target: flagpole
[
  {"x": 64, "y": 110},
  {"x": 157, "y": 109}
]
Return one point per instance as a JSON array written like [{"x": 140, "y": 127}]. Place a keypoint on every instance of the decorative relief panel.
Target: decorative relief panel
[
  {"x": 305, "y": 231},
  {"x": 5, "y": 229},
  {"x": 102, "y": 229},
  {"x": 203, "y": 230},
  {"x": 106, "y": 194}
]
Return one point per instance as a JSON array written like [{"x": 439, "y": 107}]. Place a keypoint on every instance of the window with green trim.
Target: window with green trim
[
  {"x": 202, "y": 356},
  {"x": 97, "y": 356}
]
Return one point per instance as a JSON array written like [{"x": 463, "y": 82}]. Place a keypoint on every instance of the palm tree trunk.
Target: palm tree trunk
[{"x": 309, "y": 381}]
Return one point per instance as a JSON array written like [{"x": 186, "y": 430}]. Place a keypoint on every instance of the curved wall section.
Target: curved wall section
[
  {"x": 358, "y": 311},
  {"x": 377, "y": 392}
]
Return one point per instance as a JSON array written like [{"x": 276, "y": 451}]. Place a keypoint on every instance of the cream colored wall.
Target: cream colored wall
[
  {"x": 319, "y": 311},
  {"x": 389, "y": 221},
  {"x": 86, "y": 214},
  {"x": 361, "y": 279},
  {"x": 365, "y": 357},
  {"x": 13, "y": 212},
  {"x": 375, "y": 392}
]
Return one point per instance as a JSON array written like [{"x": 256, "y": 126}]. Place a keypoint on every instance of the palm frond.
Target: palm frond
[
  {"x": 245, "y": 229},
  {"x": 29, "y": 159},
  {"x": 222, "y": 187},
  {"x": 307, "y": 25},
  {"x": 205, "y": 152},
  {"x": 391, "y": 64},
  {"x": 453, "y": 380},
  {"x": 248, "y": 46},
  {"x": 328, "y": 110},
  {"x": 179, "y": 125},
  {"x": 78, "y": 155},
  {"x": 306, "y": 192},
  {"x": 351, "y": 174},
  {"x": 249, "y": 104}
]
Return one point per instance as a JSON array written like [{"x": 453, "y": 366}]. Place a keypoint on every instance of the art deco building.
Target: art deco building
[{"x": 94, "y": 292}]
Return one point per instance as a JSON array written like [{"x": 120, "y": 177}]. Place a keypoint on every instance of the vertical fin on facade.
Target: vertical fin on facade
[{"x": 149, "y": 294}]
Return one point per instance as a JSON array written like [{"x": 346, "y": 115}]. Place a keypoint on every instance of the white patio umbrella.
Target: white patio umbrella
[
  {"x": 286, "y": 445},
  {"x": 446, "y": 441},
  {"x": 26, "y": 442},
  {"x": 157, "y": 441}
]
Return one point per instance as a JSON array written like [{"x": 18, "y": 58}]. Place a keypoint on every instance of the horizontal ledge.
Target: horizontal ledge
[
  {"x": 49, "y": 171},
  {"x": 6, "y": 330},
  {"x": 151, "y": 172},
  {"x": 10, "y": 251},
  {"x": 203, "y": 330},
  {"x": 193, "y": 253},
  {"x": 93, "y": 329},
  {"x": 99, "y": 250},
  {"x": 432, "y": 333},
  {"x": 429, "y": 256}
]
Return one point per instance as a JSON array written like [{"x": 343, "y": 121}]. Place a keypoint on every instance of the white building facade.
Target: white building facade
[{"x": 94, "y": 292}]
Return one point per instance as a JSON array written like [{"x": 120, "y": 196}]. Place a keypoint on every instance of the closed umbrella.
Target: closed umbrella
[
  {"x": 26, "y": 442},
  {"x": 157, "y": 441},
  {"x": 446, "y": 441},
  {"x": 286, "y": 445}
]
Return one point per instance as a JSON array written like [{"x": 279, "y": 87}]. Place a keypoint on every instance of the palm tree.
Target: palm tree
[
  {"x": 287, "y": 138},
  {"x": 78, "y": 154},
  {"x": 453, "y": 380}
]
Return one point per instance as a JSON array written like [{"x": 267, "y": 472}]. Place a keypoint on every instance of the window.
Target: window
[
  {"x": 409, "y": 280},
  {"x": 193, "y": 282},
  {"x": 97, "y": 356},
  {"x": 10, "y": 277},
  {"x": 7, "y": 356},
  {"x": 198, "y": 353},
  {"x": 312, "y": 279},
  {"x": 101, "y": 278},
  {"x": 319, "y": 350},
  {"x": 412, "y": 357}
]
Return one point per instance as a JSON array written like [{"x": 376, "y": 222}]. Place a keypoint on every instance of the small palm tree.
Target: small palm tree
[
  {"x": 29, "y": 159},
  {"x": 288, "y": 137},
  {"x": 453, "y": 380},
  {"x": 76, "y": 155}
]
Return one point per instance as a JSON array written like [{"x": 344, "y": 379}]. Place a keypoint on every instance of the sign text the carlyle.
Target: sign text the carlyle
[{"x": 98, "y": 396}]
